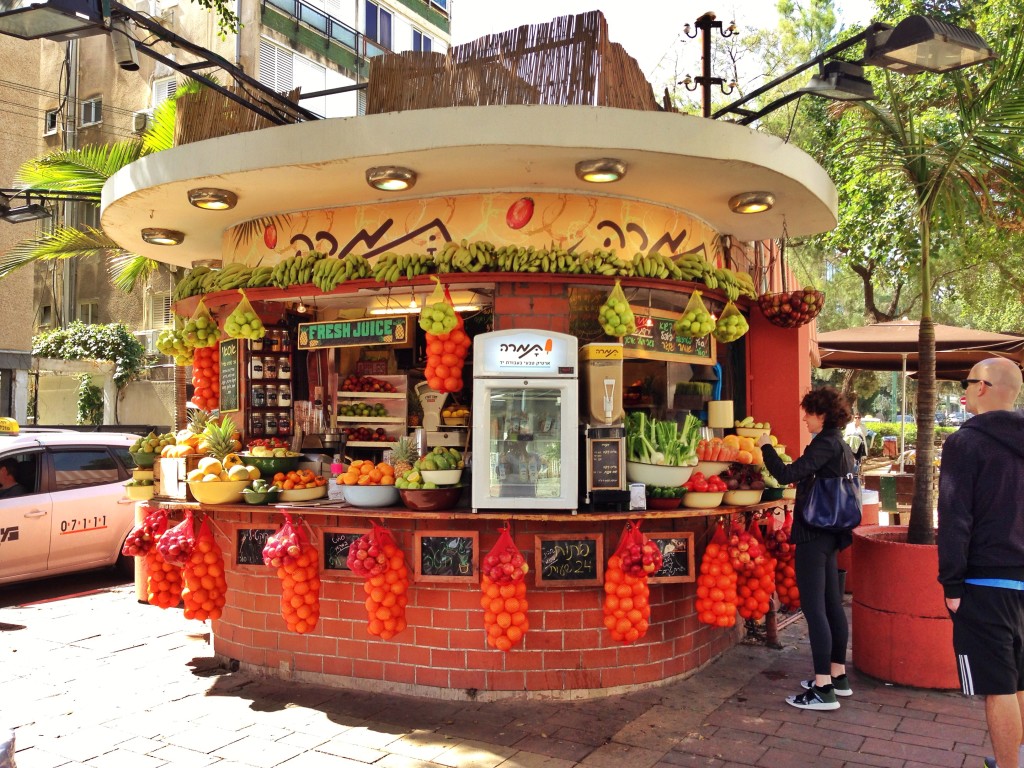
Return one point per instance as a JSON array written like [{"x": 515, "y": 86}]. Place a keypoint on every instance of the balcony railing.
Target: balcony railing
[{"x": 330, "y": 27}]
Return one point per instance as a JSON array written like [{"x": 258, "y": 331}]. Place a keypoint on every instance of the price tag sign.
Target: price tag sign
[{"x": 569, "y": 560}]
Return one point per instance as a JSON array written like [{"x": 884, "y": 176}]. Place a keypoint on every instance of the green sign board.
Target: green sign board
[
  {"x": 354, "y": 333},
  {"x": 657, "y": 340},
  {"x": 229, "y": 375}
]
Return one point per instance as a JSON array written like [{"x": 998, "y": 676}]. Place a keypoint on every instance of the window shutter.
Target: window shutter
[{"x": 276, "y": 70}]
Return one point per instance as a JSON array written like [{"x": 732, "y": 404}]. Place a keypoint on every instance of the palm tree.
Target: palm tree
[
  {"x": 958, "y": 158},
  {"x": 86, "y": 170}
]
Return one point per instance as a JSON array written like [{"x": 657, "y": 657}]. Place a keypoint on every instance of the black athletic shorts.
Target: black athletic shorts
[{"x": 988, "y": 638}]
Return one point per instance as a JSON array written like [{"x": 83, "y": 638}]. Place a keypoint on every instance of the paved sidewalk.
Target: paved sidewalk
[{"x": 98, "y": 680}]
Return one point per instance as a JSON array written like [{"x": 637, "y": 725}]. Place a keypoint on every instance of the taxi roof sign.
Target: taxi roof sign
[{"x": 8, "y": 426}]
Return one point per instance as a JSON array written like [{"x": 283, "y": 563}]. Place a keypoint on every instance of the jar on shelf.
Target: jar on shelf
[
  {"x": 256, "y": 345},
  {"x": 256, "y": 367},
  {"x": 271, "y": 396},
  {"x": 284, "y": 395},
  {"x": 284, "y": 368},
  {"x": 284, "y": 423},
  {"x": 270, "y": 367},
  {"x": 271, "y": 423},
  {"x": 257, "y": 424},
  {"x": 286, "y": 341},
  {"x": 259, "y": 396},
  {"x": 275, "y": 340}
]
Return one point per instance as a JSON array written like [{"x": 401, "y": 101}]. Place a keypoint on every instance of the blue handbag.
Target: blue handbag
[{"x": 834, "y": 503}]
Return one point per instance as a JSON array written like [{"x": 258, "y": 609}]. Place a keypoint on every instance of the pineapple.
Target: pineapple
[
  {"x": 402, "y": 456},
  {"x": 193, "y": 432},
  {"x": 220, "y": 438}
]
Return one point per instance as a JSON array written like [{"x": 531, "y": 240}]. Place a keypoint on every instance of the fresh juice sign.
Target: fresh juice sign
[{"x": 350, "y": 333}]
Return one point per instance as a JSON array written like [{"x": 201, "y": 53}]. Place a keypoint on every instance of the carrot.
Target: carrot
[{"x": 715, "y": 453}]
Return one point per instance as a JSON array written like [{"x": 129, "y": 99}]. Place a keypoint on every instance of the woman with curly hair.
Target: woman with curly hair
[{"x": 826, "y": 413}]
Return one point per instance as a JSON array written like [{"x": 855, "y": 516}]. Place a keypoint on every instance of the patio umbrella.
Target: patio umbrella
[{"x": 892, "y": 346}]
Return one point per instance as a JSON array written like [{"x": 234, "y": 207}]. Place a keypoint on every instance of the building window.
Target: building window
[
  {"x": 89, "y": 312},
  {"x": 160, "y": 312},
  {"x": 50, "y": 122},
  {"x": 45, "y": 316},
  {"x": 420, "y": 42},
  {"x": 92, "y": 111},
  {"x": 164, "y": 88},
  {"x": 378, "y": 24}
]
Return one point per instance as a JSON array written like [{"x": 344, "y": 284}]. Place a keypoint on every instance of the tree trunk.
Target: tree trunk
[{"x": 922, "y": 525}]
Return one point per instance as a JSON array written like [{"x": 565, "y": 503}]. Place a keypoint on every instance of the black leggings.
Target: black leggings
[{"x": 817, "y": 578}]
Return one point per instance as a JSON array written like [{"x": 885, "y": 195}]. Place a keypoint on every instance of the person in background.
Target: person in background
[
  {"x": 825, "y": 413},
  {"x": 856, "y": 436},
  {"x": 9, "y": 485},
  {"x": 981, "y": 551}
]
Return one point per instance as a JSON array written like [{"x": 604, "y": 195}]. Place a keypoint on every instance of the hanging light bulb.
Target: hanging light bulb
[{"x": 301, "y": 309}]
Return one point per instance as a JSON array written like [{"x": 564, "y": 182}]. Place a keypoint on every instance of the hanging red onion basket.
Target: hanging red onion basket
[{"x": 791, "y": 309}]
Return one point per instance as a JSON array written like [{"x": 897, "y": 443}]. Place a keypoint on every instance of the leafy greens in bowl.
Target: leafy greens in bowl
[{"x": 653, "y": 441}]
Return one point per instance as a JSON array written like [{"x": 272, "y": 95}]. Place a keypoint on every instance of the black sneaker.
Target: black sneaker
[
  {"x": 841, "y": 683},
  {"x": 815, "y": 698},
  {"x": 990, "y": 762}
]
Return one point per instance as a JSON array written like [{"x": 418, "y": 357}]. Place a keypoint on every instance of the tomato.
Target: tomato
[
  {"x": 270, "y": 236},
  {"x": 700, "y": 486},
  {"x": 519, "y": 213}
]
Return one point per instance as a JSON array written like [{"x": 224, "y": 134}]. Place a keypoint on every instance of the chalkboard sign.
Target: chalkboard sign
[
  {"x": 229, "y": 375},
  {"x": 657, "y": 340},
  {"x": 606, "y": 464},
  {"x": 677, "y": 557},
  {"x": 387, "y": 329},
  {"x": 249, "y": 545},
  {"x": 335, "y": 547},
  {"x": 574, "y": 560},
  {"x": 447, "y": 556}
]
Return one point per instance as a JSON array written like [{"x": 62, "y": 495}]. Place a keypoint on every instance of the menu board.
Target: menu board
[
  {"x": 657, "y": 341},
  {"x": 366, "y": 331},
  {"x": 677, "y": 557},
  {"x": 563, "y": 559},
  {"x": 249, "y": 543},
  {"x": 336, "y": 545},
  {"x": 606, "y": 464},
  {"x": 229, "y": 375},
  {"x": 446, "y": 556}
]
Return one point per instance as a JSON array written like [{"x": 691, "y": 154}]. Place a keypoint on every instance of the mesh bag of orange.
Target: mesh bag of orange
[
  {"x": 716, "y": 584},
  {"x": 447, "y": 350},
  {"x": 205, "y": 590},
  {"x": 144, "y": 535},
  {"x": 163, "y": 579},
  {"x": 784, "y": 553},
  {"x": 177, "y": 544},
  {"x": 503, "y": 593},
  {"x": 755, "y": 571},
  {"x": 627, "y": 608},
  {"x": 297, "y": 561},
  {"x": 378, "y": 558}
]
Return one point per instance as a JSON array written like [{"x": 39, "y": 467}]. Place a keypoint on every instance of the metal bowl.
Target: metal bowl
[
  {"x": 430, "y": 499},
  {"x": 371, "y": 495},
  {"x": 270, "y": 465},
  {"x": 657, "y": 474}
]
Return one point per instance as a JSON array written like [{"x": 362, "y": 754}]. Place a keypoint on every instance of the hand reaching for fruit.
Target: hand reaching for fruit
[{"x": 763, "y": 440}]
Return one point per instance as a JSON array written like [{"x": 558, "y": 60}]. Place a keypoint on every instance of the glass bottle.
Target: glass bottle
[
  {"x": 284, "y": 423},
  {"x": 271, "y": 396},
  {"x": 284, "y": 395},
  {"x": 259, "y": 396},
  {"x": 270, "y": 367}
]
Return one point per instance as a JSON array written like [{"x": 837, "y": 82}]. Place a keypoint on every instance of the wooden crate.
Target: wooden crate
[{"x": 169, "y": 476}]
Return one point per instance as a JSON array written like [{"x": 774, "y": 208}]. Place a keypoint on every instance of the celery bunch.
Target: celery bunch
[{"x": 654, "y": 441}]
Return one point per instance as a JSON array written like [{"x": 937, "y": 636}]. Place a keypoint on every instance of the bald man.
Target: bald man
[{"x": 981, "y": 551}]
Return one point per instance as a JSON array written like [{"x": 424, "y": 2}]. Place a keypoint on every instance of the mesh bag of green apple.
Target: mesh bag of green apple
[
  {"x": 171, "y": 342},
  {"x": 616, "y": 317},
  {"x": 731, "y": 324},
  {"x": 243, "y": 322},
  {"x": 695, "y": 322},
  {"x": 201, "y": 329}
]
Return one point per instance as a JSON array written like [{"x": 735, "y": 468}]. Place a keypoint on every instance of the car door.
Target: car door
[
  {"x": 91, "y": 514},
  {"x": 25, "y": 521}
]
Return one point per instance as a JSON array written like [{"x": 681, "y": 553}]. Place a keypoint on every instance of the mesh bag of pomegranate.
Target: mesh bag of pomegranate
[
  {"x": 282, "y": 543},
  {"x": 144, "y": 535},
  {"x": 627, "y": 609},
  {"x": 503, "y": 593},
  {"x": 377, "y": 557},
  {"x": 177, "y": 544}
]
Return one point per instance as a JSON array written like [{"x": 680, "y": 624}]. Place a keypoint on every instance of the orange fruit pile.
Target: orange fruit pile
[
  {"x": 206, "y": 377},
  {"x": 366, "y": 472},
  {"x": 163, "y": 581},
  {"x": 297, "y": 479},
  {"x": 785, "y": 572},
  {"x": 300, "y": 589},
  {"x": 446, "y": 356},
  {"x": 205, "y": 589},
  {"x": 627, "y": 608},
  {"x": 756, "y": 578},
  {"x": 504, "y": 612},
  {"x": 716, "y": 584},
  {"x": 386, "y": 595}
]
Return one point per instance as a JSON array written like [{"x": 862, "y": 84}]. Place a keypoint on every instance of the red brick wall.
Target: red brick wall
[
  {"x": 444, "y": 645},
  {"x": 541, "y": 304}
]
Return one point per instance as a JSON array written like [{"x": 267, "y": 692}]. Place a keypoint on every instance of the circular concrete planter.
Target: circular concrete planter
[{"x": 901, "y": 629}]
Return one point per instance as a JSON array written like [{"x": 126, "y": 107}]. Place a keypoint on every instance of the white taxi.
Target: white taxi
[{"x": 62, "y": 501}]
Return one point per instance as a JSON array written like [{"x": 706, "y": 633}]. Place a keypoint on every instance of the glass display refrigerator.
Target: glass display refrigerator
[{"x": 525, "y": 414}]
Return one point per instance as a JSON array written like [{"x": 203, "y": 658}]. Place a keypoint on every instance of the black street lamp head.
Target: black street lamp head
[
  {"x": 840, "y": 81},
  {"x": 58, "y": 20},
  {"x": 921, "y": 44}
]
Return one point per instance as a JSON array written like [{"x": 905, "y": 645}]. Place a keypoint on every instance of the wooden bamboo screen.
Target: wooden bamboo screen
[
  {"x": 566, "y": 61},
  {"x": 208, "y": 114}
]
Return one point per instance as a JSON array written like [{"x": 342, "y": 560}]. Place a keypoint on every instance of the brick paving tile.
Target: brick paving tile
[
  {"x": 946, "y": 731},
  {"x": 339, "y": 747},
  {"x": 319, "y": 760},
  {"x": 694, "y": 761},
  {"x": 566, "y": 750},
  {"x": 180, "y": 757},
  {"x": 303, "y": 741},
  {"x": 913, "y": 753},
  {"x": 822, "y": 736},
  {"x": 400, "y": 761},
  {"x": 784, "y": 758},
  {"x": 594, "y": 738},
  {"x": 739, "y": 752},
  {"x": 738, "y": 734},
  {"x": 785, "y": 744},
  {"x": 257, "y": 752},
  {"x": 851, "y": 759},
  {"x": 618, "y": 755},
  {"x": 533, "y": 760},
  {"x": 201, "y": 738},
  {"x": 120, "y": 758},
  {"x": 474, "y": 754},
  {"x": 745, "y": 722},
  {"x": 421, "y": 746},
  {"x": 485, "y": 732}
]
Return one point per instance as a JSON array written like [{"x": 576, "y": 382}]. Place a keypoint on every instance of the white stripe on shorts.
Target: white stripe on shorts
[{"x": 966, "y": 681}]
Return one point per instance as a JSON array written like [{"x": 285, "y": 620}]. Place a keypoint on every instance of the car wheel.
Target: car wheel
[{"x": 125, "y": 566}]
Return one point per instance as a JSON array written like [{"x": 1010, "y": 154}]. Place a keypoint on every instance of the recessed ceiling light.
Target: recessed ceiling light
[
  {"x": 390, "y": 178},
  {"x": 212, "y": 199},
  {"x": 157, "y": 236},
  {"x": 751, "y": 202},
  {"x": 600, "y": 171}
]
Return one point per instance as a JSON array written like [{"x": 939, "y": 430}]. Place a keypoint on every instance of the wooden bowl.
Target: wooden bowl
[{"x": 430, "y": 499}]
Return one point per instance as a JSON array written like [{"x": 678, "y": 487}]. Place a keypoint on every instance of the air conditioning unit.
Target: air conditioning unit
[
  {"x": 140, "y": 120},
  {"x": 148, "y": 340}
]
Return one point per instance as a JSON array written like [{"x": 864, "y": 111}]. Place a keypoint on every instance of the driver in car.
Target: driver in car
[{"x": 9, "y": 485}]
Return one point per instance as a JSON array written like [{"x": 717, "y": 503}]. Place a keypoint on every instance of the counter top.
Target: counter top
[{"x": 335, "y": 508}]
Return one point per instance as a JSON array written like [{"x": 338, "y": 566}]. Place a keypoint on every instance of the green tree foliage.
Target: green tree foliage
[{"x": 79, "y": 341}]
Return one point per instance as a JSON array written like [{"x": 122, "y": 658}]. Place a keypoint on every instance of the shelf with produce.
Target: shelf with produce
[
  {"x": 371, "y": 420},
  {"x": 370, "y": 444},
  {"x": 344, "y": 395}
]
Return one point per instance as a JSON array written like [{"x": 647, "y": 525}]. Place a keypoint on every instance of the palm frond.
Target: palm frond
[
  {"x": 65, "y": 243},
  {"x": 160, "y": 134},
  {"x": 127, "y": 270},
  {"x": 78, "y": 170}
]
